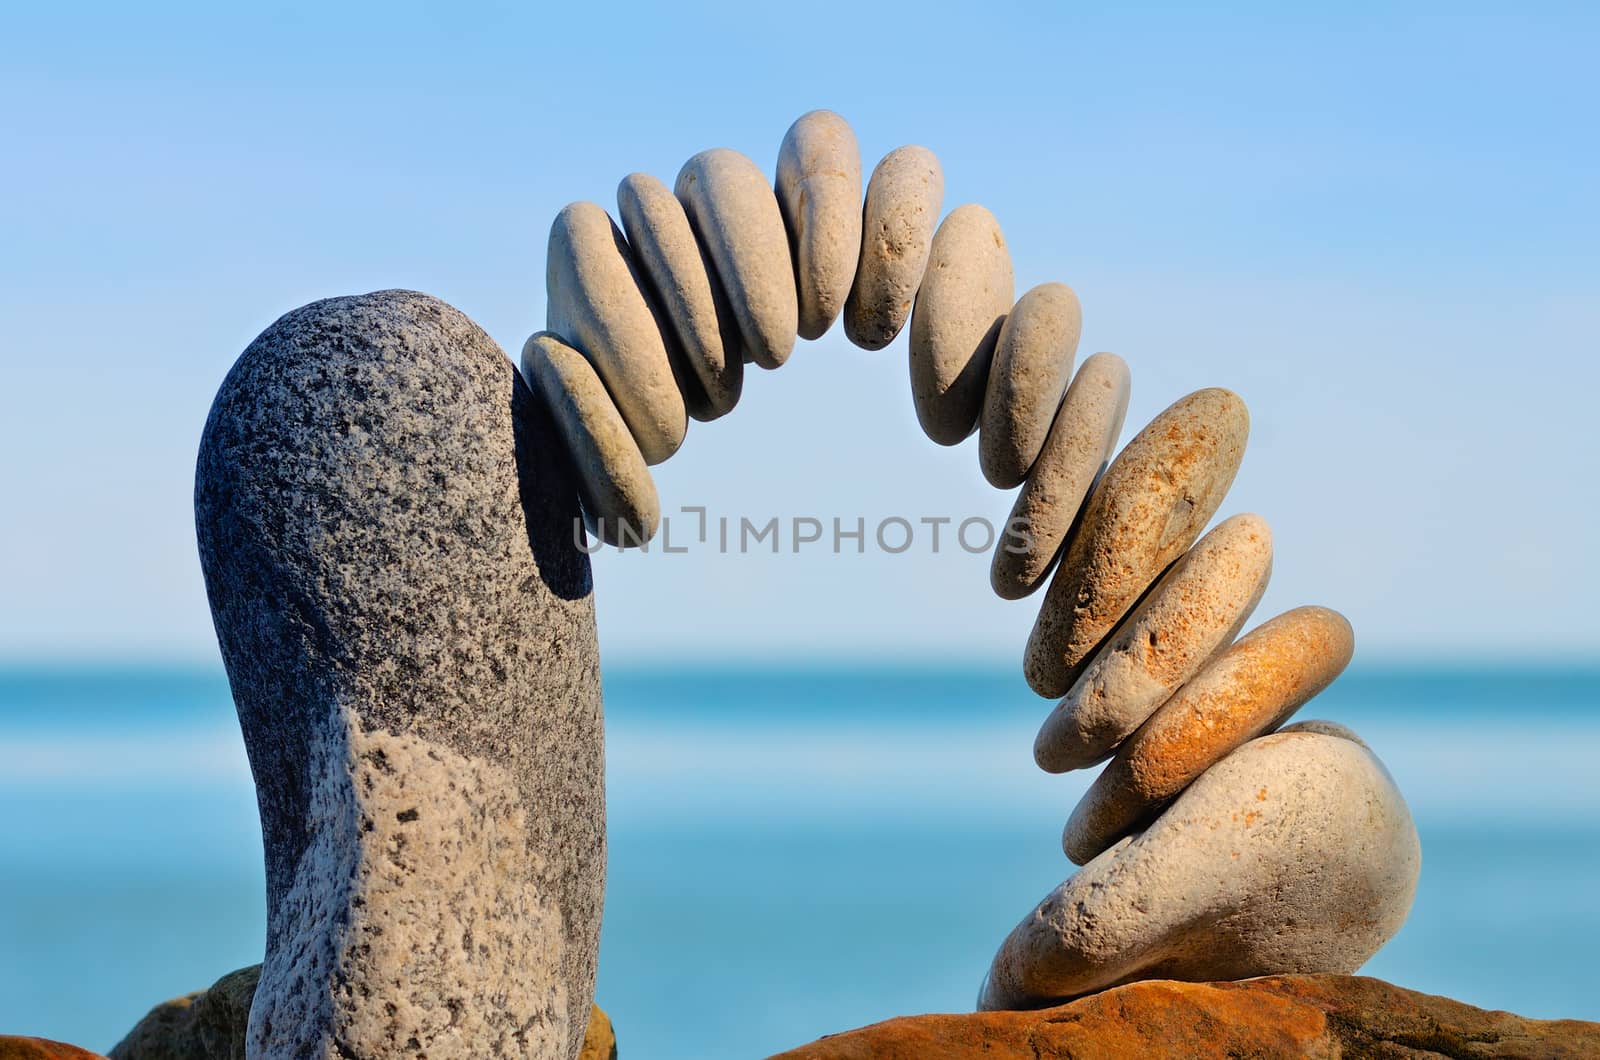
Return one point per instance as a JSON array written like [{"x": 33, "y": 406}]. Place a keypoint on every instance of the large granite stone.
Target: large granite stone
[{"x": 386, "y": 524}]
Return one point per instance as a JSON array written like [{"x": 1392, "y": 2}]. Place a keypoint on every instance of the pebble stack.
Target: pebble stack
[{"x": 1215, "y": 845}]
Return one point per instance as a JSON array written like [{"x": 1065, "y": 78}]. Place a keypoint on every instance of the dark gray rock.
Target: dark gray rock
[{"x": 387, "y": 530}]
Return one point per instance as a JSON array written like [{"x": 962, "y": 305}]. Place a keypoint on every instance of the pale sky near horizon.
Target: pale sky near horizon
[{"x": 1379, "y": 229}]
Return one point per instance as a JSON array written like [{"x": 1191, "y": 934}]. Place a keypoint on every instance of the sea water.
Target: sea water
[{"x": 792, "y": 852}]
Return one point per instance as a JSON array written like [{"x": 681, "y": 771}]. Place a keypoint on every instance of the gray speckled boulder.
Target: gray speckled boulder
[
  {"x": 1295, "y": 853},
  {"x": 386, "y": 524}
]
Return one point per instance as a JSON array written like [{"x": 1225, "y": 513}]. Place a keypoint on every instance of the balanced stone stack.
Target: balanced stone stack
[{"x": 1215, "y": 845}]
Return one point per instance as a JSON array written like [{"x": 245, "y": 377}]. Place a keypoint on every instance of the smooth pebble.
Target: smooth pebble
[
  {"x": 960, "y": 308},
  {"x": 1032, "y": 366},
  {"x": 1081, "y": 440},
  {"x": 735, "y": 217},
  {"x": 897, "y": 223},
  {"x": 819, "y": 191},
  {"x": 619, "y": 497},
  {"x": 679, "y": 277},
  {"x": 1294, "y": 854},
  {"x": 596, "y": 303}
]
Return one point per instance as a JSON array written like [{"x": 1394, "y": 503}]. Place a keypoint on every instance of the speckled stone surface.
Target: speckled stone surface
[
  {"x": 735, "y": 216},
  {"x": 1245, "y": 691},
  {"x": 1148, "y": 508},
  {"x": 819, "y": 188},
  {"x": 1194, "y": 611},
  {"x": 898, "y": 217},
  {"x": 1032, "y": 366},
  {"x": 671, "y": 262},
  {"x": 1082, "y": 438},
  {"x": 620, "y": 504},
  {"x": 385, "y": 520},
  {"x": 1296, "y": 853},
  {"x": 960, "y": 308}
]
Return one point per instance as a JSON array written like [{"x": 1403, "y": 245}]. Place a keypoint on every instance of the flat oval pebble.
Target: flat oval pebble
[
  {"x": 736, "y": 219},
  {"x": 1194, "y": 611},
  {"x": 1148, "y": 508},
  {"x": 1081, "y": 440},
  {"x": 596, "y": 303},
  {"x": 1247, "y": 690},
  {"x": 1294, "y": 854},
  {"x": 665, "y": 250},
  {"x": 960, "y": 308},
  {"x": 897, "y": 223},
  {"x": 1032, "y": 367},
  {"x": 819, "y": 191},
  {"x": 619, "y": 497}
]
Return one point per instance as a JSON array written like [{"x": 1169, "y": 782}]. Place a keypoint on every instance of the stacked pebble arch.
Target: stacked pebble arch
[{"x": 1215, "y": 844}]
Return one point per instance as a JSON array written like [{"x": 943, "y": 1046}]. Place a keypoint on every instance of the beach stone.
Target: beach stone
[
  {"x": 960, "y": 308},
  {"x": 385, "y": 520},
  {"x": 1315, "y": 1016},
  {"x": 1032, "y": 366},
  {"x": 1294, "y": 854},
  {"x": 1249, "y": 689},
  {"x": 735, "y": 216},
  {"x": 596, "y": 303},
  {"x": 1193, "y": 612},
  {"x": 819, "y": 190},
  {"x": 619, "y": 497},
  {"x": 678, "y": 276},
  {"x": 1326, "y": 728},
  {"x": 208, "y": 1024},
  {"x": 1147, "y": 510},
  {"x": 897, "y": 223},
  {"x": 1081, "y": 440}
]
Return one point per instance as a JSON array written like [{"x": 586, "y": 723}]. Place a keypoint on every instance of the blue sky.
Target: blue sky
[{"x": 1379, "y": 228}]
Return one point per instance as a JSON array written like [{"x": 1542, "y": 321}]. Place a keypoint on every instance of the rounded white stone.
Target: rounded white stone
[
  {"x": 819, "y": 190},
  {"x": 618, "y": 494},
  {"x": 1032, "y": 367},
  {"x": 596, "y": 303},
  {"x": 1294, "y": 854},
  {"x": 735, "y": 217},
  {"x": 960, "y": 307},
  {"x": 679, "y": 279},
  {"x": 897, "y": 223}
]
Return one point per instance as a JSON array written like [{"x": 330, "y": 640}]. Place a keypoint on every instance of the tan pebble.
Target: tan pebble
[
  {"x": 596, "y": 303},
  {"x": 897, "y": 223},
  {"x": 1148, "y": 508},
  {"x": 1032, "y": 366},
  {"x": 1082, "y": 438},
  {"x": 1194, "y": 611},
  {"x": 619, "y": 497},
  {"x": 819, "y": 190},
  {"x": 1295, "y": 853},
  {"x": 736, "y": 219},
  {"x": 960, "y": 308},
  {"x": 1326, "y": 728},
  {"x": 679, "y": 278},
  {"x": 1247, "y": 690}
]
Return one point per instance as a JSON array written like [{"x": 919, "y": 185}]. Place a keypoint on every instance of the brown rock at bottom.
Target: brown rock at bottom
[
  {"x": 18, "y": 1048},
  {"x": 1274, "y": 1016},
  {"x": 210, "y": 1025}
]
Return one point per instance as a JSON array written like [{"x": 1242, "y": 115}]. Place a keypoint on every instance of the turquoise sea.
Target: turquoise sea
[{"x": 793, "y": 852}]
